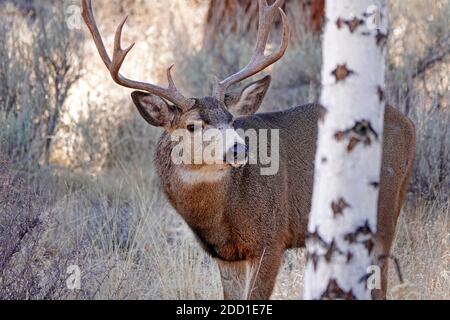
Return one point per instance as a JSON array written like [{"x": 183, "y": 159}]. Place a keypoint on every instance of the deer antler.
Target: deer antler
[
  {"x": 259, "y": 61},
  {"x": 171, "y": 93}
]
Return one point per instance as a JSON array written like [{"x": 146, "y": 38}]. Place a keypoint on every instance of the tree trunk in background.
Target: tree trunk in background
[
  {"x": 348, "y": 161},
  {"x": 241, "y": 17}
]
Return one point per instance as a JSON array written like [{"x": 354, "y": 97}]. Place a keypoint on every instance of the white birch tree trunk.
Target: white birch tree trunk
[{"x": 343, "y": 218}]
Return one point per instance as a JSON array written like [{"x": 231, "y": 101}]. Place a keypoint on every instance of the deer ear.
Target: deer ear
[
  {"x": 154, "y": 109},
  {"x": 249, "y": 100}
]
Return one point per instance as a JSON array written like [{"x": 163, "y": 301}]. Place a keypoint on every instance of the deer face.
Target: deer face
[
  {"x": 213, "y": 114},
  {"x": 207, "y": 128}
]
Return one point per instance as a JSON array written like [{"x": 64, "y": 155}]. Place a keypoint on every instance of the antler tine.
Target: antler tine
[
  {"x": 259, "y": 61},
  {"x": 170, "y": 79},
  {"x": 171, "y": 93},
  {"x": 119, "y": 54}
]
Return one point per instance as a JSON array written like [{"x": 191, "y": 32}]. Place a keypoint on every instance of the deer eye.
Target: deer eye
[{"x": 191, "y": 127}]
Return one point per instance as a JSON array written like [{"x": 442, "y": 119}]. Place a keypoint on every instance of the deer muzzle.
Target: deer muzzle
[{"x": 236, "y": 152}]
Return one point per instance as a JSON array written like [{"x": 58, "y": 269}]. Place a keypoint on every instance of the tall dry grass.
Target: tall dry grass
[{"x": 99, "y": 204}]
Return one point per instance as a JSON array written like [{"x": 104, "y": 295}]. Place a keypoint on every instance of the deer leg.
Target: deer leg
[
  {"x": 381, "y": 256},
  {"x": 387, "y": 222},
  {"x": 265, "y": 271},
  {"x": 250, "y": 279},
  {"x": 233, "y": 276}
]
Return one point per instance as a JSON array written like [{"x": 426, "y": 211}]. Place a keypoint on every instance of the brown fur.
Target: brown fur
[{"x": 250, "y": 219}]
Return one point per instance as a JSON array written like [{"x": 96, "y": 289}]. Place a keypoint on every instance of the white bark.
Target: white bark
[{"x": 348, "y": 161}]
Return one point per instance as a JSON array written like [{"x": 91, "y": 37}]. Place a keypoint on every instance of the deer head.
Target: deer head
[{"x": 169, "y": 109}]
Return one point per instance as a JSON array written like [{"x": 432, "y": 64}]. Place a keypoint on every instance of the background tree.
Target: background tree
[
  {"x": 229, "y": 35},
  {"x": 241, "y": 17},
  {"x": 348, "y": 159}
]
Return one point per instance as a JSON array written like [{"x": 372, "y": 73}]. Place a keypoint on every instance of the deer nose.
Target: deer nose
[
  {"x": 237, "y": 156},
  {"x": 240, "y": 151}
]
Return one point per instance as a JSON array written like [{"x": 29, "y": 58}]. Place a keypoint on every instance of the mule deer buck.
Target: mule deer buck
[{"x": 242, "y": 218}]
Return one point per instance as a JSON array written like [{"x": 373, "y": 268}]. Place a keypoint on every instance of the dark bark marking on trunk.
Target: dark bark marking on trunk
[
  {"x": 350, "y": 238},
  {"x": 369, "y": 244},
  {"x": 364, "y": 230},
  {"x": 339, "y": 206},
  {"x": 349, "y": 256},
  {"x": 381, "y": 94},
  {"x": 334, "y": 292},
  {"x": 315, "y": 237},
  {"x": 340, "y": 23},
  {"x": 331, "y": 251},
  {"x": 339, "y": 136},
  {"x": 352, "y": 144},
  {"x": 314, "y": 258},
  {"x": 381, "y": 39},
  {"x": 364, "y": 279},
  {"x": 352, "y": 24},
  {"x": 322, "y": 113},
  {"x": 362, "y": 132},
  {"x": 375, "y": 184},
  {"x": 342, "y": 72}
]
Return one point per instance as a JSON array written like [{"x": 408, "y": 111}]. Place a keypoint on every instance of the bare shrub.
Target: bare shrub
[
  {"x": 296, "y": 80},
  {"x": 105, "y": 143},
  {"x": 418, "y": 82},
  {"x": 29, "y": 269},
  {"x": 39, "y": 64},
  {"x": 20, "y": 230},
  {"x": 431, "y": 177}
]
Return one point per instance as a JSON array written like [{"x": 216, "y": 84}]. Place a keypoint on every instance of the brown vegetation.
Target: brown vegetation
[
  {"x": 241, "y": 17},
  {"x": 98, "y": 204}
]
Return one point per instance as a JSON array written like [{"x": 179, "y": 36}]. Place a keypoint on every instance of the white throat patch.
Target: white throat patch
[{"x": 193, "y": 177}]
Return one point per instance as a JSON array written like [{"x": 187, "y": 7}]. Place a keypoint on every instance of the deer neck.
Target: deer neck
[
  {"x": 199, "y": 197},
  {"x": 201, "y": 202}
]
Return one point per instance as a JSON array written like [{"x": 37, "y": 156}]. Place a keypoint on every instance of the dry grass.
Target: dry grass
[
  {"x": 130, "y": 245},
  {"x": 100, "y": 206},
  {"x": 421, "y": 247}
]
